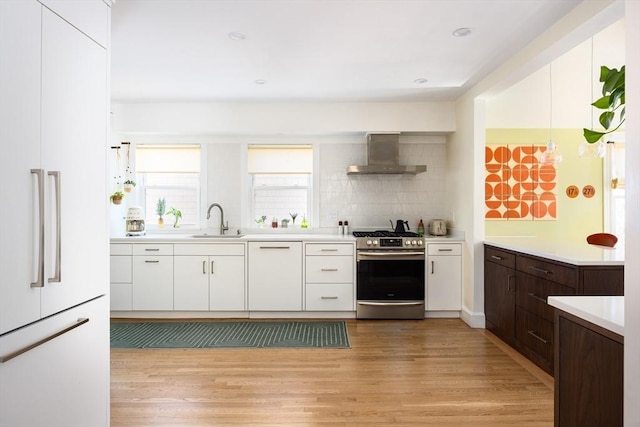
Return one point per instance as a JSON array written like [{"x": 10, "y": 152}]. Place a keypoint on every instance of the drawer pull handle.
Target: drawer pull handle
[
  {"x": 499, "y": 258},
  {"x": 152, "y": 261},
  {"x": 539, "y": 270},
  {"x": 152, "y": 249},
  {"x": 536, "y": 336},
  {"x": 275, "y": 247},
  {"x": 534, "y": 296},
  {"x": 509, "y": 287},
  {"x": 204, "y": 267},
  {"x": 328, "y": 297},
  {"x": 328, "y": 250},
  {"x": 17, "y": 353},
  {"x": 445, "y": 250},
  {"x": 329, "y": 269}
]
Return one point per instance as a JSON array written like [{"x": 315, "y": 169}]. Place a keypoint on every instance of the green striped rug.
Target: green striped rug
[{"x": 241, "y": 334}]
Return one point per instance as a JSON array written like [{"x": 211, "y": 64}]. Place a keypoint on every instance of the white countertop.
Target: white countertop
[
  {"x": 563, "y": 251},
  {"x": 306, "y": 237},
  {"x": 607, "y": 312}
]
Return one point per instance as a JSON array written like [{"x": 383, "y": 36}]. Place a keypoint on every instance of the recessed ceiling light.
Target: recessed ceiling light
[
  {"x": 237, "y": 36},
  {"x": 260, "y": 82},
  {"x": 420, "y": 81},
  {"x": 462, "y": 32}
]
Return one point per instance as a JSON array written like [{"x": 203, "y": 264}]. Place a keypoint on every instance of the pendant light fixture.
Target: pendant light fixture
[
  {"x": 551, "y": 156},
  {"x": 597, "y": 149}
]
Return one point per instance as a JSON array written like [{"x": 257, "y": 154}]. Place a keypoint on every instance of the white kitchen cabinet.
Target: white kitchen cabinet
[
  {"x": 444, "y": 276},
  {"x": 152, "y": 277},
  {"x": 53, "y": 126},
  {"x": 209, "y": 277},
  {"x": 329, "y": 277},
  {"x": 121, "y": 277},
  {"x": 275, "y": 276}
]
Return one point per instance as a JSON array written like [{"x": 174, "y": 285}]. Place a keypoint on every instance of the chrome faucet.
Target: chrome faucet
[{"x": 223, "y": 227}]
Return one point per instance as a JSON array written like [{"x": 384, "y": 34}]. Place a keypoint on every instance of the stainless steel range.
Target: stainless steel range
[{"x": 390, "y": 275}]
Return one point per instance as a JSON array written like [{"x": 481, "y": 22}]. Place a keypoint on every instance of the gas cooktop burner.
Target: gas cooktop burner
[{"x": 384, "y": 233}]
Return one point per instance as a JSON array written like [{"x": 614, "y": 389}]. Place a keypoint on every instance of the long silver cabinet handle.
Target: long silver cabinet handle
[
  {"x": 499, "y": 258},
  {"x": 539, "y": 270},
  {"x": 152, "y": 249},
  {"x": 23, "y": 350},
  {"x": 445, "y": 250},
  {"x": 56, "y": 274},
  {"x": 204, "y": 267},
  {"x": 538, "y": 337},
  {"x": 152, "y": 261},
  {"x": 39, "y": 283},
  {"x": 275, "y": 247},
  {"x": 328, "y": 297},
  {"x": 534, "y": 296},
  {"x": 329, "y": 269},
  {"x": 384, "y": 304},
  {"x": 432, "y": 266},
  {"x": 212, "y": 267},
  {"x": 328, "y": 250}
]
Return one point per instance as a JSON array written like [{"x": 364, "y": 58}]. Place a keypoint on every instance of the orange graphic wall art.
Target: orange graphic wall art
[{"x": 517, "y": 186}]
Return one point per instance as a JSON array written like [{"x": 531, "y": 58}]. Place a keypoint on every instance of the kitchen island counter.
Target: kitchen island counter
[
  {"x": 606, "y": 312},
  {"x": 579, "y": 254}
]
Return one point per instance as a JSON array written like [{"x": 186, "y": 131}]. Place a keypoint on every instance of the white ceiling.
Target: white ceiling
[{"x": 316, "y": 50}]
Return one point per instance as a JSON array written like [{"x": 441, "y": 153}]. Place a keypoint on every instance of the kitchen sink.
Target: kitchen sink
[{"x": 216, "y": 236}]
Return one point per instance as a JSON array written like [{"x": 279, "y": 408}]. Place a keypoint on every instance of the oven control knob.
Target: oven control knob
[
  {"x": 368, "y": 242},
  {"x": 375, "y": 243},
  {"x": 414, "y": 242},
  {"x": 419, "y": 242}
]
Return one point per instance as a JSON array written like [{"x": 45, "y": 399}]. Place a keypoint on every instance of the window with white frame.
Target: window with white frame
[
  {"x": 170, "y": 173},
  {"x": 281, "y": 181}
]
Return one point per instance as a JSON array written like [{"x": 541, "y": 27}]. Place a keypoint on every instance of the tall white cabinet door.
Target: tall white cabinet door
[
  {"x": 275, "y": 276},
  {"x": 152, "y": 283},
  {"x": 73, "y": 141},
  {"x": 191, "y": 283},
  {"x": 20, "y": 145},
  {"x": 444, "y": 283},
  {"x": 226, "y": 281},
  {"x": 63, "y": 382}
]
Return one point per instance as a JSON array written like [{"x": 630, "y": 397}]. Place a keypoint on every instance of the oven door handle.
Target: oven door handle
[
  {"x": 390, "y": 255},
  {"x": 411, "y": 303}
]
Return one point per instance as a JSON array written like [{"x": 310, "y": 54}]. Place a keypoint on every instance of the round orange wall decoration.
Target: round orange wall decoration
[
  {"x": 572, "y": 191},
  {"x": 588, "y": 191}
]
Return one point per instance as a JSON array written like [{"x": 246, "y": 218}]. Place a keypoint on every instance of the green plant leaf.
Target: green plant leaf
[
  {"x": 606, "y": 118},
  {"x": 604, "y": 72},
  {"x": 602, "y": 103},
  {"x": 592, "y": 136},
  {"x": 614, "y": 80}
]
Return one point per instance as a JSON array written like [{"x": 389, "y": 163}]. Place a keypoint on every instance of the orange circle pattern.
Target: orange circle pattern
[{"x": 517, "y": 186}]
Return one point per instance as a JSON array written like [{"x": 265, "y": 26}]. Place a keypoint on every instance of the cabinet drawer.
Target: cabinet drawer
[
  {"x": 329, "y": 297},
  {"x": 330, "y": 269},
  {"x": 564, "y": 275},
  {"x": 121, "y": 249},
  {"x": 151, "y": 249},
  {"x": 444, "y": 249},
  {"x": 328, "y": 249},
  {"x": 121, "y": 269},
  {"x": 532, "y": 293},
  {"x": 501, "y": 257},
  {"x": 209, "y": 249},
  {"x": 536, "y": 334}
]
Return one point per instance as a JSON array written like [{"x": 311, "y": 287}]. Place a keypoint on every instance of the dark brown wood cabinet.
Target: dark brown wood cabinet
[
  {"x": 588, "y": 374},
  {"x": 517, "y": 286},
  {"x": 500, "y": 293}
]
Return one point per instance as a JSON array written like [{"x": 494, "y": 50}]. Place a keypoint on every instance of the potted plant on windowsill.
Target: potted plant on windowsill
[
  {"x": 129, "y": 185},
  {"x": 116, "y": 197},
  {"x": 160, "y": 207},
  {"x": 177, "y": 214}
]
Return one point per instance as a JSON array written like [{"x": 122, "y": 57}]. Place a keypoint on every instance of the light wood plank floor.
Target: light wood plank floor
[{"x": 436, "y": 372}]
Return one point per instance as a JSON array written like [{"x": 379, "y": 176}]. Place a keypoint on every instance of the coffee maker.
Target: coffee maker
[{"x": 135, "y": 221}]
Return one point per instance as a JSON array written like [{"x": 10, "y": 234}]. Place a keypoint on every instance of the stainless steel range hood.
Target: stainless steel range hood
[{"x": 383, "y": 153}]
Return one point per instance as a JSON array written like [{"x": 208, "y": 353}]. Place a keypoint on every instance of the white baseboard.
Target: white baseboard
[
  {"x": 233, "y": 314},
  {"x": 475, "y": 320}
]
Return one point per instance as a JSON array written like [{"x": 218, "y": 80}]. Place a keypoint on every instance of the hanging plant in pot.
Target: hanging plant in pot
[
  {"x": 612, "y": 102},
  {"x": 116, "y": 197},
  {"x": 129, "y": 185}
]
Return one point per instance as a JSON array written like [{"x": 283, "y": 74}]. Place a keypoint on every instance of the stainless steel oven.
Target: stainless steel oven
[{"x": 390, "y": 276}]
